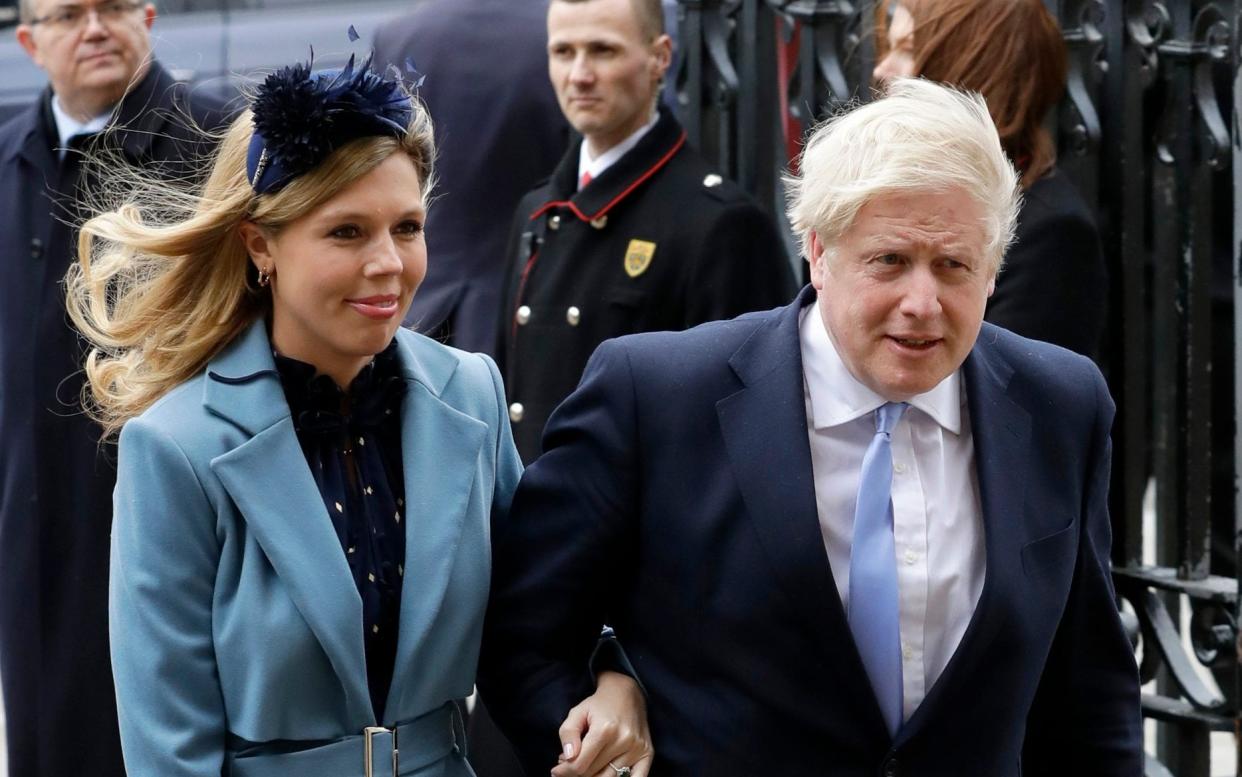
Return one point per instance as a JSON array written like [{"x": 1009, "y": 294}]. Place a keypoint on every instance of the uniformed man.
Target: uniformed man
[{"x": 634, "y": 231}]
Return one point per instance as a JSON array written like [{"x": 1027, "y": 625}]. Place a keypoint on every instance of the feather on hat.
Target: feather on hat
[{"x": 301, "y": 117}]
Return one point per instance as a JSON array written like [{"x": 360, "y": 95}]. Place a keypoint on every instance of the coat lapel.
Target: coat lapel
[
  {"x": 1001, "y": 431},
  {"x": 268, "y": 480},
  {"x": 440, "y": 449},
  {"x": 765, "y": 432},
  {"x": 270, "y": 483}
]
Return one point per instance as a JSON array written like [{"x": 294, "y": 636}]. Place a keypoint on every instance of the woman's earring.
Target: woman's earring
[{"x": 265, "y": 277}]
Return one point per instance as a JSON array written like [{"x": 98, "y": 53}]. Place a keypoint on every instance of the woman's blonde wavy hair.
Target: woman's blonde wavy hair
[{"x": 163, "y": 282}]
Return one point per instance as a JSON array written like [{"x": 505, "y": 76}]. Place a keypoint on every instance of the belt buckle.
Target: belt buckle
[{"x": 368, "y": 750}]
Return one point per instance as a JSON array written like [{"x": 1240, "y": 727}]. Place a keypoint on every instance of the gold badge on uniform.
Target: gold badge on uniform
[{"x": 638, "y": 257}]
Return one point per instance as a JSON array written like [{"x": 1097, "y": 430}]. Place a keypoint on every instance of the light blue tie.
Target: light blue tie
[{"x": 873, "y": 570}]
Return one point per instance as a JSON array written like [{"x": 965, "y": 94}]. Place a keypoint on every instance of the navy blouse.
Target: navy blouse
[{"x": 352, "y": 443}]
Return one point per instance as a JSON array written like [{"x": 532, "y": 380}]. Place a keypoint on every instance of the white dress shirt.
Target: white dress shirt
[
  {"x": 599, "y": 164},
  {"x": 67, "y": 126},
  {"x": 937, "y": 520}
]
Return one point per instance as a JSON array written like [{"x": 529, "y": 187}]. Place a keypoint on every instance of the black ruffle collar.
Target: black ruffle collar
[{"x": 319, "y": 406}]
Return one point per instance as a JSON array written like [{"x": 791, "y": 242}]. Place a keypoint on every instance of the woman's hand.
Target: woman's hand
[{"x": 607, "y": 732}]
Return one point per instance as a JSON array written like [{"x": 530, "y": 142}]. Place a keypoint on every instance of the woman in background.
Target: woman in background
[
  {"x": 1053, "y": 285},
  {"x": 306, "y": 491}
]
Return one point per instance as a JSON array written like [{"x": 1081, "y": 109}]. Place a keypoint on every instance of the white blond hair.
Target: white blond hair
[{"x": 919, "y": 136}]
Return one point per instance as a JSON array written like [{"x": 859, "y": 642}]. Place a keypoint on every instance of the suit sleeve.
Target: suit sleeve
[
  {"x": 1085, "y": 718},
  {"x": 165, "y": 553},
  {"x": 569, "y": 527},
  {"x": 741, "y": 266},
  {"x": 1053, "y": 286}
]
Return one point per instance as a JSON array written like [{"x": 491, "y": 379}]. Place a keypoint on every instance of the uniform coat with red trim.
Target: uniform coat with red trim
[{"x": 657, "y": 242}]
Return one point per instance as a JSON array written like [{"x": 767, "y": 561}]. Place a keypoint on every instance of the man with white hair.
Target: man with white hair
[
  {"x": 634, "y": 231},
  {"x": 866, "y": 534}
]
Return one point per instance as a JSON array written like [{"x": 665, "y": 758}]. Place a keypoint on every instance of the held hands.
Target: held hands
[{"x": 607, "y": 732}]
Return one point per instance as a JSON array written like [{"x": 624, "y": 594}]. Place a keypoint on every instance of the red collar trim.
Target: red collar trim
[{"x": 681, "y": 141}]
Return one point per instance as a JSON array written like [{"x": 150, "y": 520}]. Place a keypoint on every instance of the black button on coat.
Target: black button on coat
[{"x": 657, "y": 242}]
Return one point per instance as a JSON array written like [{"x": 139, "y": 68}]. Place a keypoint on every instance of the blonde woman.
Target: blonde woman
[{"x": 306, "y": 491}]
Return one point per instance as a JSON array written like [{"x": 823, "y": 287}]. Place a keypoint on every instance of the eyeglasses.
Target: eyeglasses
[{"x": 73, "y": 17}]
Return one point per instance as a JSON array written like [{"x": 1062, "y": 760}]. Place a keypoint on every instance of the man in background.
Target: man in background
[
  {"x": 104, "y": 93},
  {"x": 634, "y": 231},
  {"x": 498, "y": 132}
]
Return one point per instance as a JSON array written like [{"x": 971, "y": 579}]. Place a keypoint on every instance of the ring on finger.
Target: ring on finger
[{"x": 622, "y": 771}]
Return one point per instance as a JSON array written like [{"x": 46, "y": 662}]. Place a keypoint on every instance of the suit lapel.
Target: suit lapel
[
  {"x": 440, "y": 448},
  {"x": 765, "y": 433},
  {"x": 269, "y": 481},
  {"x": 1001, "y": 432}
]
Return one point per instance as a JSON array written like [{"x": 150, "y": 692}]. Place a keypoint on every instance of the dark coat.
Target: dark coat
[
  {"x": 499, "y": 131},
  {"x": 676, "y": 501},
  {"x": 55, "y": 484},
  {"x": 657, "y": 242},
  {"x": 1054, "y": 285}
]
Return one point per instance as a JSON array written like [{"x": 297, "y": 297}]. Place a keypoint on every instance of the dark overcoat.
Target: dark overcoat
[
  {"x": 499, "y": 131},
  {"x": 658, "y": 241},
  {"x": 55, "y": 480}
]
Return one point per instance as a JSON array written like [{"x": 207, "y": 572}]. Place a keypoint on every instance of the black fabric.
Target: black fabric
[
  {"x": 352, "y": 443},
  {"x": 499, "y": 131},
  {"x": 715, "y": 255},
  {"x": 55, "y": 485},
  {"x": 1054, "y": 284}
]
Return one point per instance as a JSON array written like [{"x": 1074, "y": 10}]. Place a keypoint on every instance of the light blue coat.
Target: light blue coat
[{"x": 234, "y": 618}]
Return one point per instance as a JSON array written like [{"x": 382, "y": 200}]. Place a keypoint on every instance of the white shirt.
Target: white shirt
[
  {"x": 67, "y": 126},
  {"x": 599, "y": 164},
  {"x": 937, "y": 520}
]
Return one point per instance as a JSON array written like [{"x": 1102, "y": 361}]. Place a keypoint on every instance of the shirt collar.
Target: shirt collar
[
  {"x": 837, "y": 397},
  {"x": 67, "y": 126},
  {"x": 599, "y": 164}
]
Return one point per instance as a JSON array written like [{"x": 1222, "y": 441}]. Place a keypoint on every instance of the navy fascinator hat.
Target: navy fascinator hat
[{"x": 301, "y": 117}]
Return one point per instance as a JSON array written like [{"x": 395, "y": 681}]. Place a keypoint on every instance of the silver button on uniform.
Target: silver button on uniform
[
  {"x": 554, "y": 222},
  {"x": 523, "y": 315},
  {"x": 573, "y": 315},
  {"x": 516, "y": 411}
]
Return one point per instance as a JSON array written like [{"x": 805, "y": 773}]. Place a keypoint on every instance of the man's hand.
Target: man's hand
[{"x": 607, "y": 732}]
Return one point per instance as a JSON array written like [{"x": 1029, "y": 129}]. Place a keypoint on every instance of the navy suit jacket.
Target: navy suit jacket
[{"x": 676, "y": 501}]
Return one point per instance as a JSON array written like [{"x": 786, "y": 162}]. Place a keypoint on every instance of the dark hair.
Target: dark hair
[{"x": 1010, "y": 51}]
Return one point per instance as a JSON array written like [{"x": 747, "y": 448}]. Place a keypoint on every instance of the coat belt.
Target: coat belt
[{"x": 421, "y": 742}]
